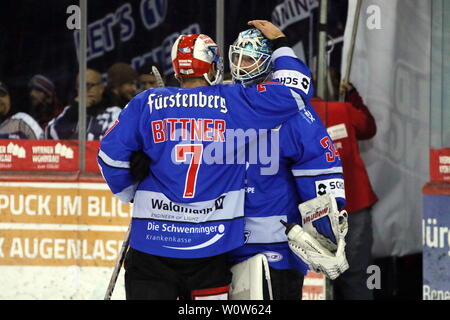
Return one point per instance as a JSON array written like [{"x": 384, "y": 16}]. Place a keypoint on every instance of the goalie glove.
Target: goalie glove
[
  {"x": 314, "y": 254},
  {"x": 321, "y": 241}
]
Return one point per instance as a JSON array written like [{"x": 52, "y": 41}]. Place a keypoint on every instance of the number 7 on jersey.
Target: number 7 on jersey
[{"x": 181, "y": 150}]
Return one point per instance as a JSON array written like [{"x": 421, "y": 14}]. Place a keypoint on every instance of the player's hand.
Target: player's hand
[
  {"x": 139, "y": 165},
  {"x": 268, "y": 29}
]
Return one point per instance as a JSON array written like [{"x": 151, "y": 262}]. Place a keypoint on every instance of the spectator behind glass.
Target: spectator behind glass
[
  {"x": 122, "y": 81},
  {"x": 18, "y": 126},
  {"x": 5, "y": 103},
  {"x": 44, "y": 104},
  {"x": 147, "y": 79},
  {"x": 99, "y": 116}
]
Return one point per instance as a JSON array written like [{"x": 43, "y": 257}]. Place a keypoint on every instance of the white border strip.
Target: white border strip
[
  {"x": 57, "y": 185},
  {"x": 283, "y": 52},
  {"x": 114, "y": 163},
  {"x": 60, "y": 227}
]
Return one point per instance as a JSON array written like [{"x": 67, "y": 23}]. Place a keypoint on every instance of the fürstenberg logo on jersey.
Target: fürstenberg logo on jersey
[{"x": 186, "y": 100}]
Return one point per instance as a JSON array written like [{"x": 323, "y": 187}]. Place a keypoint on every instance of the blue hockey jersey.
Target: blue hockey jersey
[
  {"x": 192, "y": 203},
  {"x": 309, "y": 166}
]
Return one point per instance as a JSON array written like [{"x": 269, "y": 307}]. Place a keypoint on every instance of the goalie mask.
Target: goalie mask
[
  {"x": 250, "y": 57},
  {"x": 193, "y": 55}
]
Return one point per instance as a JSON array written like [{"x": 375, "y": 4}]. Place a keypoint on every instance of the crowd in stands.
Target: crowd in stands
[{"x": 44, "y": 117}]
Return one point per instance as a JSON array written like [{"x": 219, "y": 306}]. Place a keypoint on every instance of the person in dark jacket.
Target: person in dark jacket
[
  {"x": 122, "y": 84},
  {"x": 5, "y": 103},
  {"x": 44, "y": 104},
  {"x": 18, "y": 125},
  {"x": 99, "y": 118}
]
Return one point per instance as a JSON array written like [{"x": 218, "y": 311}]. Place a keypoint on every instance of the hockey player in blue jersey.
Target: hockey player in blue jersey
[
  {"x": 309, "y": 164},
  {"x": 188, "y": 212}
]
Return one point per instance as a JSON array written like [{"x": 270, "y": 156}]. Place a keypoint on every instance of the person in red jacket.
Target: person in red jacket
[{"x": 347, "y": 122}]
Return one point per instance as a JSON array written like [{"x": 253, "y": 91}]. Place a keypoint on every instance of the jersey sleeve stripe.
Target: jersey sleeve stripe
[
  {"x": 316, "y": 172},
  {"x": 298, "y": 98},
  {"x": 337, "y": 175},
  {"x": 283, "y": 52},
  {"x": 103, "y": 164},
  {"x": 113, "y": 163}
]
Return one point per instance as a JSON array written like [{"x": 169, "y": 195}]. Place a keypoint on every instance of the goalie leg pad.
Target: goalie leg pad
[{"x": 249, "y": 279}]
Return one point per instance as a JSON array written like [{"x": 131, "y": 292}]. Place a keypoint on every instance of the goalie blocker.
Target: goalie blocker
[{"x": 321, "y": 253}]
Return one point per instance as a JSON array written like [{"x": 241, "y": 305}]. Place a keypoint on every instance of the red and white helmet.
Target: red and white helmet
[{"x": 192, "y": 56}]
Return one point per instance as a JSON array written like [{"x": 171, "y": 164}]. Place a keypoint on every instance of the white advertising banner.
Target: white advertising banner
[
  {"x": 391, "y": 70},
  {"x": 60, "y": 240}
]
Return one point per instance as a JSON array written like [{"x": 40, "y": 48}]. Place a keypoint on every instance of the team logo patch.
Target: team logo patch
[
  {"x": 308, "y": 116},
  {"x": 219, "y": 202},
  {"x": 331, "y": 186},
  {"x": 321, "y": 189},
  {"x": 273, "y": 256}
]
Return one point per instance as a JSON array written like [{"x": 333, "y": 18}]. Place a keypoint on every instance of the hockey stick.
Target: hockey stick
[
  {"x": 119, "y": 262},
  {"x": 158, "y": 77},
  {"x": 126, "y": 242},
  {"x": 348, "y": 67}
]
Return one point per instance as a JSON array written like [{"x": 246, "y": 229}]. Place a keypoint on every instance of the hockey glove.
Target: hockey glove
[
  {"x": 139, "y": 165},
  {"x": 322, "y": 253},
  {"x": 315, "y": 255}
]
